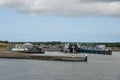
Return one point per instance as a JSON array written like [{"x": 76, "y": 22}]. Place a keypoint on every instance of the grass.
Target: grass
[{"x": 3, "y": 46}]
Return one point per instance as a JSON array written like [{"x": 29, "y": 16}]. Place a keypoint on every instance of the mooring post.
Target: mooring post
[{"x": 86, "y": 56}]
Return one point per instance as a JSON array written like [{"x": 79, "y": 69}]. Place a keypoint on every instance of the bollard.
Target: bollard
[{"x": 86, "y": 56}]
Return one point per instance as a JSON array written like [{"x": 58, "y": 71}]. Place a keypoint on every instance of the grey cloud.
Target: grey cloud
[
  {"x": 75, "y": 8},
  {"x": 90, "y": 1}
]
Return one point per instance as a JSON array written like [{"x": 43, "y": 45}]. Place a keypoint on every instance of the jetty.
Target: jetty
[
  {"x": 17, "y": 55},
  {"x": 59, "y": 58}
]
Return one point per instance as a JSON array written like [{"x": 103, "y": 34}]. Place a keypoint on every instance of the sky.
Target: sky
[{"x": 60, "y": 20}]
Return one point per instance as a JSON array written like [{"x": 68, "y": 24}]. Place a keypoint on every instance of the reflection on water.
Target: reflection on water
[{"x": 98, "y": 67}]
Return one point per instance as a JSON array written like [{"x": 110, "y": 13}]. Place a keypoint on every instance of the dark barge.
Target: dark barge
[
  {"x": 96, "y": 51},
  {"x": 75, "y": 48}
]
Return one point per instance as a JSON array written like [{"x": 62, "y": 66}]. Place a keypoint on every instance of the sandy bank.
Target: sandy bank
[{"x": 8, "y": 54}]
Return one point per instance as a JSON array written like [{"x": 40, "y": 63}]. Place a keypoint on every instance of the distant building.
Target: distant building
[
  {"x": 22, "y": 47},
  {"x": 100, "y": 46}
]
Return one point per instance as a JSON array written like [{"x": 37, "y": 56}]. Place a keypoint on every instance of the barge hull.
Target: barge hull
[{"x": 105, "y": 52}]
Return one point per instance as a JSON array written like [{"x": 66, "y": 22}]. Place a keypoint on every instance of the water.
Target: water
[{"x": 98, "y": 67}]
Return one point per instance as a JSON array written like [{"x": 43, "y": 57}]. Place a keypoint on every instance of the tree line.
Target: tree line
[
  {"x": 4, "y": 42},
  {"x": 110, "y": 44}
]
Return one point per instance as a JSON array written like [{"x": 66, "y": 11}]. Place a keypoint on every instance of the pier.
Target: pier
[
  {"x": 59, "y": 58},
  {"x": 17, "y": 55}
]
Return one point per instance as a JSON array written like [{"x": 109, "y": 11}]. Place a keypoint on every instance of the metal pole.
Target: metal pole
[{"x": 73, "y": 52}]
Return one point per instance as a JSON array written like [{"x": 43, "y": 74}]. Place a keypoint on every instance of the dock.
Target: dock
[
  {"x": 59, "y": 58},
  {"x": 16, "y": 55}
]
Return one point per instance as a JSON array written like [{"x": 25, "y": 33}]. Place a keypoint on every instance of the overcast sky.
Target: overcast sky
[{"x": 60, "y": 20}]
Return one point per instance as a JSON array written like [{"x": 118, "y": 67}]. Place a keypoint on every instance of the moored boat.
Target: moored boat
[
  {"x": 34, "y": 50},
  {"x": 70, "y": 48}
]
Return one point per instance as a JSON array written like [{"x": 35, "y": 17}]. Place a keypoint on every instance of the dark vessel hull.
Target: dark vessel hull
[
  {"x": 95, "y": 51},
  {"x": 73, "y": 48}
]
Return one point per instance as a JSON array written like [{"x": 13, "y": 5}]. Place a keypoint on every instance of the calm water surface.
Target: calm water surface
[{"x": 98, "y": 67}]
